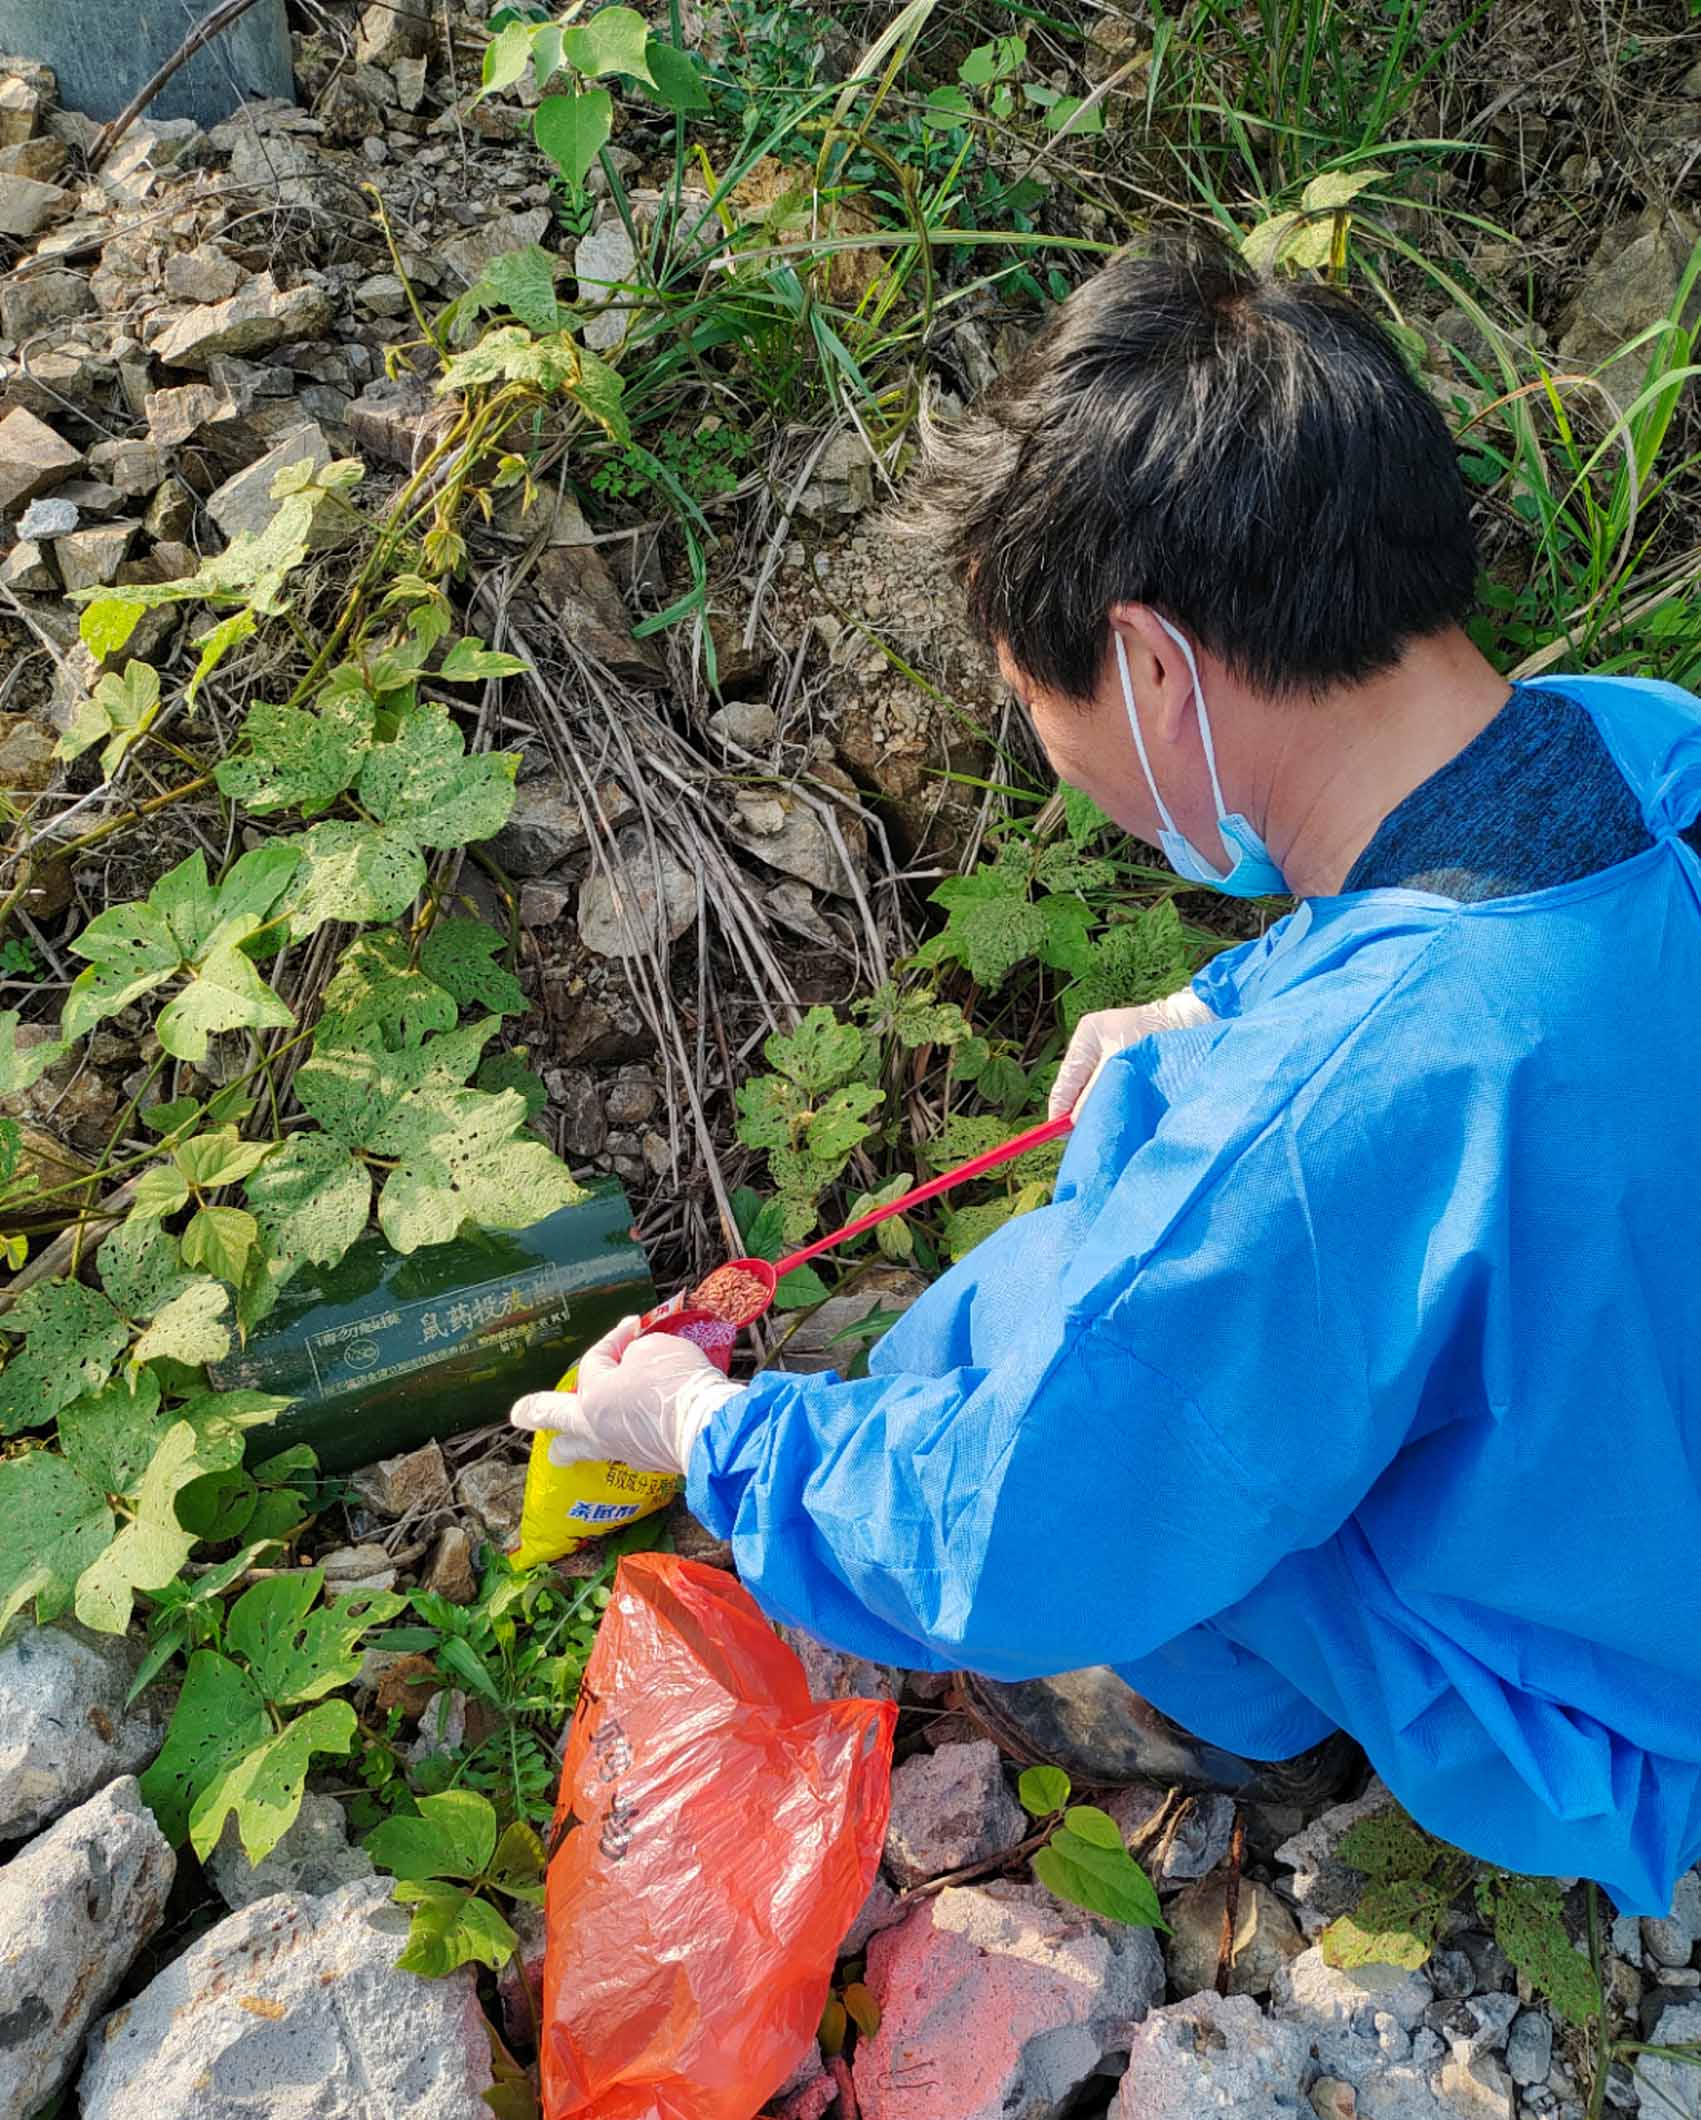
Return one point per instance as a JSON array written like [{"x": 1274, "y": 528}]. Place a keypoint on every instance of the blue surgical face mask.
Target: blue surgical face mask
[{"x": 1250, "y": 873}]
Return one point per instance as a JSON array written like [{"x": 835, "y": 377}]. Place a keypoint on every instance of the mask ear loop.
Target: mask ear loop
[
  {"x": 1185, "y": 646},
  {"x": 1165, "y": 818}
]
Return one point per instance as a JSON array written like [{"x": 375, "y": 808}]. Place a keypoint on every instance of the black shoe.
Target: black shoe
[{"x": 1103, "y": 1733}]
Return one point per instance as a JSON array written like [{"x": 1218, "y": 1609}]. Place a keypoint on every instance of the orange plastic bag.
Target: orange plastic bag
[{"x": 716, "y": 1835}]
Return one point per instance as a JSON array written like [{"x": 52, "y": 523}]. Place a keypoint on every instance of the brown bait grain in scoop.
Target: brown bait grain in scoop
[{"x": 731, "y": 1293}]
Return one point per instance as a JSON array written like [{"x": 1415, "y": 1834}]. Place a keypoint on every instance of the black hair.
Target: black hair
[{"x": 1248, "y": 455}]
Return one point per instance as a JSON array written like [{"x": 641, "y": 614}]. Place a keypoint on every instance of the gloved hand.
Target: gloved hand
[
  {"x": 641, "y": 1402},
  {"x": 1097, "y": 1037}
]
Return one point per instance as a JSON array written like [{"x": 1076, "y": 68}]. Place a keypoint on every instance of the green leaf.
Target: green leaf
[
  {"x": 820, "y": 1054},
  {"x": 130, "y": 950},
  {"x": 352, "y": 872},
  {"x": 1529, "y": 1926},
  {"x": 523, "y": 283},
  {"x": 1062, "y": 117},
  {"x": 1398, "y": 1922},
  {"x": 799, "y": 1289},
  {"x": 508, "y": 1071},
  {"x": 470, "y": 660},
  {"x": 839, "y": 1124},
  {"x": 220, "y": 1157},
  {"x": 57, "y": 1522},
  {"x": 465, "y": 1164},
  {"x": 141, "y": 1269},
  {"x": 218, "y": 1718},
  {"x": 506, "y": 58},
  {"x": 674, "y": 75},
  {"x": 110, "y": 1436},
  {"x": 1103, "y": 1880},
  {"x": 572, "y": 130},
  {"x": 453, "y": 1836},
  {"x": 107, "y": 624},
  {"x": 1083, "y": 820},
  {"x": 72, "y": 1338},
  {"x": 1043, "y": 1790},
  {"x": 311, "y": 1199},
  {"x": 367, "y": 1097},
  {"x": 379, "y": 996},
  {"x": 264, "y": 1786},
  {"x": 190, "y": 1329},
  {"x": 451, "y": 1927},
  {"x": 613, "y": 41},
  {"x": 1388, "y": 1844},
  {"x": 992, "y": 926},
  {"x": 600, "y": 391},
  {"x": 160, "y": 1190},
  {"x": 151, "y": 1548},
  {"x": 20, "y": 1069},
  {"x": 996, "y": 60},
  {"x": 517, "y": 1868},
  {"x": 295, "y": 1653},
  {"x": 226, "y": 994},
  {"x": 220, "y": 1239},
  {"x": 215, "y": 644},
  {"x": 423, "y": 786},
  {"x": 251, "y": 889},
  {"x": 299, "y": 760},
  {"x": 946, "y": 109},
  {"x": 460, "y": 955},
  {"x": 119, "y": 711},
  {"x": 1139, "y": 960},
  {"x": 1088, "y": 1822}
]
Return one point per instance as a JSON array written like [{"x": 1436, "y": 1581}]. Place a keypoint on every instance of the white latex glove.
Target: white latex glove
[
  {"x": 640, "y": 1402},
  {"x": 1097, "y": 1037}
]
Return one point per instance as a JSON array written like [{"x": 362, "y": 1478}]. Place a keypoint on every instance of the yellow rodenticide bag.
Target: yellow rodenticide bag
[{"x": 566, "y": 1504}]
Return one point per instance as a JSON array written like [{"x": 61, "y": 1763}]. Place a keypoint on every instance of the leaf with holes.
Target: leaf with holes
[
  {"x": 992, "y": 927},
  {"x": 360, "y": 1094},
  {"x": 110, "y": 1436},
  {"x": 219, "y": 1716},
  {"x": 1138, "y": 960},
  {"x": 508, "y": 1070},
  {"x": 600, "y": 391},
  {"x": 460, "y": 955},
  {"x": 523, "y": 283},
  {"x": 453, "y": 1836},
  {"x": 141, "y": 1269},
  {"x": 311, "y": 1199},
  {"x": 226, "y": 994},
  {"x": 461, "y": 1162},
  {"x": 572, "y": 131},
  {"x": 424, "y": 787},
  {"x": 820, "y": 1054},
  {"x": 72, "y": 1336},
  {"x": 190, "y": 1329},
  {"x": 378, "y": 996},
  {"x": 1398, "y": 1922},
  {"x": 220, "y": 1239},
  {"x": 352, "y": 872},
  {"x": 451, "y": 1927},
  {"x": 297, "y": 1653},
  {"x": 263, "y": 1787},
  {"x": 299, "y": 760},
  {"x": 129, "y": 949},
  {"x": 151, "y": 1548},
  {"x": 57, "y": 1522},
  {"x": 1529, "y": 1926}
]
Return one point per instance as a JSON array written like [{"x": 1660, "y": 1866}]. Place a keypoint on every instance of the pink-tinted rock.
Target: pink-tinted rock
[
  {"x": 998, "y": 2002},
  {"x": 950, "y": 1808}
]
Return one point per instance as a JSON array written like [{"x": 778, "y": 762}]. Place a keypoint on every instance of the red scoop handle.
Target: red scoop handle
[{"x": 976, "y": 1167}]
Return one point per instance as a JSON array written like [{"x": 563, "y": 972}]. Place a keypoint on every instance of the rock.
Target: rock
[
  {"x": 632, "y": 1098},
  {"x": 449, "y": 1572},
  {"x": 1631, "y": 282},
  {"x": 467, "y": 256},
  {"x": 132, "y": 468},
  {"x": 1475, "y": 2089},
  {"x": 442, "y": 1727},
  {"x": 383, "y": 295},
  {"x": 171, "y": 513},
  {"x": 648, "y": 902},
  {"x": 202, "y": 276},
  {"x": 28, "y": 569},
  {"x": 580, "y": 599},
  {"x": 75, "y": 1908},
  {"x": 1529, "y": 2049},
  {"x": 491, "y": 1490},
  {"x": 367, "y": 1567},
  {"x": 604, "y": 261},
  {"x": 64, "y": 1729},
  {"x": 28, "y": 91},
  {"x": 49, "y": 519},
  {"x": 841, "y": 484},
  {"x": 808, "y": 2093},
  {"x": 529, "y": 1924},
  {"x": 576, "y": 1099},
  {"x": 787, "y": 833},
  {"x": 997, "y": 2002},
  {"x": 1265, "y": 1937},
  {"x": 882, "y": 1909},
  {"x": 835, "y": 1676},
  {"x": 293, "y": 2009},
  {"x": 246, "y": 502},
  {"x": 1674, "y": 2087},
  {"x": 41, "y": 158},
  {"x": 1322, "y": 1886},
  {"x": 262, "y": 316},
  {"x": 33, "y": 302},
  {"x": 313, "y": 1857},
  {"x": 1354, "y": 2020},
  {"x": 950, "y": 1808},
  {"x": 32, "y": 459},
  {"x": 545, "y": 826},
  {"x": 90, "y": 559},
  {"x": 394, "y": 419},
  {"x": 397, "y": 1486},
  {"x": 1673, "y": 1940},
  {"x": 1212, "y": 2054},
  {"x": 27, "y": 207},
  {"x": 1199, "y": 1842},
  {"x": 745, "y": 722}
]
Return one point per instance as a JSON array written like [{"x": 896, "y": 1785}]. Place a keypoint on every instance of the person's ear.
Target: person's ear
[{"x": 1157, "y": 670}]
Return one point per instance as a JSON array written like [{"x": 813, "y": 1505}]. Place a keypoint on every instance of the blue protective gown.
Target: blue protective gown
[{"x": 1352, "y": 1379}]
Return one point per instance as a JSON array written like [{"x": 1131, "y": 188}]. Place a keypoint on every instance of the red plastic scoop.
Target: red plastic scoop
[{"x": 736, "y": 1294}]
